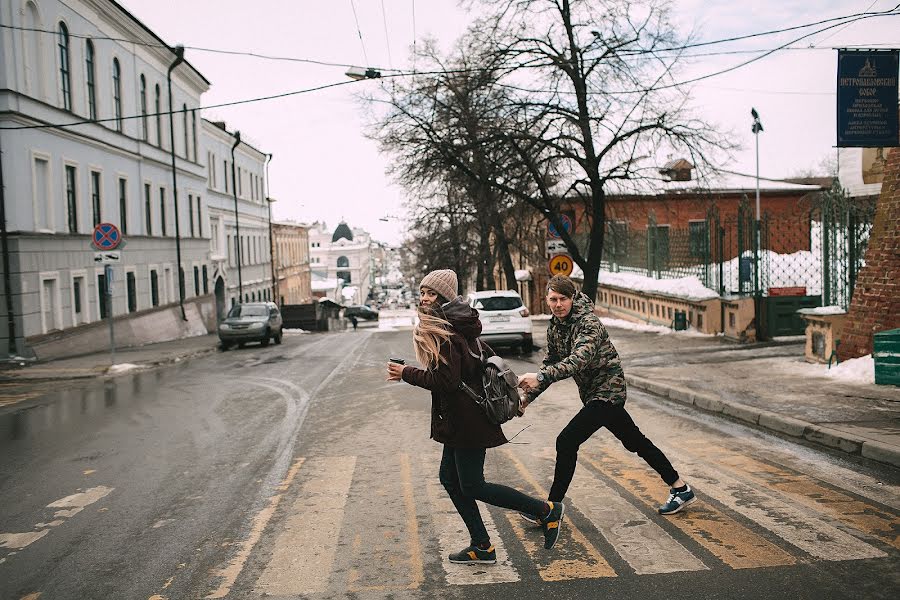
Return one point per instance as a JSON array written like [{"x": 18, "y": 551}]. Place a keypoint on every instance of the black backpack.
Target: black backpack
[{"x": 499, "y": 398}]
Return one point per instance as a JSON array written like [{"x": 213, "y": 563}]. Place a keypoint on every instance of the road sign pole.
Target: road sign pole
[{"x": 109, "y": 314}]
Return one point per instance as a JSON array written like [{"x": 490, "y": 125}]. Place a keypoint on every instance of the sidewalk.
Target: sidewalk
[
  {"x": 767, "y": 385},
  {"x": 98, "y": 363}
]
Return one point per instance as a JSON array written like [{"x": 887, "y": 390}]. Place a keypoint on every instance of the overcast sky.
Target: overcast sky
[{"x": 325, "y": 169}]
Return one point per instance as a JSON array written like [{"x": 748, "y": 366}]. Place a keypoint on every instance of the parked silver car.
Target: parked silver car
[{"x": 251, "y": 322}]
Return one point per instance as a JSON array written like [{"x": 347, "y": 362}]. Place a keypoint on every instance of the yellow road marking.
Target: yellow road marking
[
  {"x": 230, "y": 573},
  {"x": 725, "y": 538},
  {"x": 577, "y": 557},
  {"x": 89, "y": 471},
  {"x": 32, "y": 596},
  {"x": 865, "y": 517}
]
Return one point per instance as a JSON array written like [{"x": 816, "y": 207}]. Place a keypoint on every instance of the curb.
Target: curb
[{"x": 780, "y": 424}]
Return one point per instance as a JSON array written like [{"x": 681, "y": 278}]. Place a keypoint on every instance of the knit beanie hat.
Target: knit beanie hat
[{"x": 443, "y": 281}]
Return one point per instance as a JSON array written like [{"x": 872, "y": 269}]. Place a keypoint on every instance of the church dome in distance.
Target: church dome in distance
[{"x": 342, "y": 231}]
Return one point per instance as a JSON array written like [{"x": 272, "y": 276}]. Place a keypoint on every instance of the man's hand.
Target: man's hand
[
  {"x": 395, "y": 371},
  {"x": 523, "y": 404},
  {"x": 528, "y": 381}
]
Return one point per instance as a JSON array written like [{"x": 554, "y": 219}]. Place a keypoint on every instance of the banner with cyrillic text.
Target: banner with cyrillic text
[{"x": 867, "y": 99}]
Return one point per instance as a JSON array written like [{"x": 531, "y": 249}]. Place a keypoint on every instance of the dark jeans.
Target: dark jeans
[
  {"x": 462, "y": 475},
  {"x": 589, "y": 419}
]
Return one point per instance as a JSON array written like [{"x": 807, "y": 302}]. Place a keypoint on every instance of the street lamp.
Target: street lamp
[
  {"x": 179, "y": 58},
  {"x": 757, "y": 128},
  {"x": 269, "y": 201},
  {"x": 362, "y": 73},
  {"x": 237, "y": 218}
]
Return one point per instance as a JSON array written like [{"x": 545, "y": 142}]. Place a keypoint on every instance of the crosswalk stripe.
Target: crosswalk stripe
[
  {"x": 304, "y": 552},
  {"x": 787, "y": 520},
  {"x": 725, "y": 538},
  {"x": 573, "y": 557},
  {"x": 644, "y": 545},
  {"x": 452, "y": 535},
  {"x": 863, "y": 516}
]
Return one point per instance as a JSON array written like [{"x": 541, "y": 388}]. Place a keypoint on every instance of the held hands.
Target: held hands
[
  {"x": 528, "y": 381},
  {"x": 394, "y": 371}
]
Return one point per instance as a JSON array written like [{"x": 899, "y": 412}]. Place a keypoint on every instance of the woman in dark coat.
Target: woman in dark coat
[{"x": 445, "y": 344}]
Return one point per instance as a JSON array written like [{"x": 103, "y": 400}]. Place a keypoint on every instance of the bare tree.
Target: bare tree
[{"x": 593, "y": 100}]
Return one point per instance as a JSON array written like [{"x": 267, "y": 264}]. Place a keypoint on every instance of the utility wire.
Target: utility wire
[
  {"x": 359, "y": 31},
  {"x": 387, "y": 38}
]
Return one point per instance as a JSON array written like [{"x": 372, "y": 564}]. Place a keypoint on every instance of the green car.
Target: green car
[{"x": 252, "y": 322}]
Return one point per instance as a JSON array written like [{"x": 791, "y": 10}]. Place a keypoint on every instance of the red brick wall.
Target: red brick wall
[{"x": 876, "y": 298}]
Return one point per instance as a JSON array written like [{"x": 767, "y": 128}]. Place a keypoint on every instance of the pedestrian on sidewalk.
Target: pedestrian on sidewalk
[
  {"x": 353, "y": 321},
  {"x": 578, "y": 346},
  {"x": 445, "y": 342}
]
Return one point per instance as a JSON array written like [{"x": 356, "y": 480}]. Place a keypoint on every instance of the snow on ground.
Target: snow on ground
[
  {"x": 122, "y": 368},
  {"x": 855, "y": 370},
  {"x": 684, "y": 287},
  {"x": 294, "y": 331},
  {"x": 823, "y": 310},
  {"x": 660, "y": 329}
]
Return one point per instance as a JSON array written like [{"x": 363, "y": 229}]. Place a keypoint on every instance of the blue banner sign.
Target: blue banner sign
[{"x": 867, "y": 99}]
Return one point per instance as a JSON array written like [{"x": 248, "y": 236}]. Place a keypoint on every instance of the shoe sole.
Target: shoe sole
[
  {"x": 474, "y": 562},
  {"x": 681, "y": 507},
  {"x": 562, "y": 511},
  {"x": 534, "y": 521}
]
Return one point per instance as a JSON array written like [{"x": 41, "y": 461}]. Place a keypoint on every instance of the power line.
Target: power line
[
  {"x": 387, "y": 38},
  {"x": 359, "y": 31}
]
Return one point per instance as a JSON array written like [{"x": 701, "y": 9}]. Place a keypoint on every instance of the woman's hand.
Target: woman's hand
[{"x": 395, "y": 371}]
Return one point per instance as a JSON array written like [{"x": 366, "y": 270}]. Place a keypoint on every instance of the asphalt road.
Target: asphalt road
[{"x": 297, "y": 471}]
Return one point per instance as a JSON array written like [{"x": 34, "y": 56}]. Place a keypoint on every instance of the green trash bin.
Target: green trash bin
[
  {"x": 680, "y": 320},
  {"x": 887, "y": 357}
]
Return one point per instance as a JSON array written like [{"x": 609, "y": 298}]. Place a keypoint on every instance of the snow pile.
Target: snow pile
[
  {"x": 298, "y": 331},
  {"x": 854, "y": 370},
  {"x": 121, "y": 368},
  {"x": 660, "y": 329},
  {"x": 823, "y": 310},
  {"x": 689, "y": 288}
]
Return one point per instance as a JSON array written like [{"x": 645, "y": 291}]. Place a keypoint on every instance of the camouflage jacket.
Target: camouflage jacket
[{"x": 579, "y": 347}]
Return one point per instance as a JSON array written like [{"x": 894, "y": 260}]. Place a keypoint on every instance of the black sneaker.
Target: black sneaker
[
  {"x": 552, "y": 523},
  {"x": 533, "y": 519},
  {"x": 677, "y": 501},
  {"x": 473, "y": 555}
]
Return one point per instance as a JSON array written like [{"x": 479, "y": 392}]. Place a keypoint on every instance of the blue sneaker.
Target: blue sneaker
[
  {"x": 552, "y": 523},
  {"x": 473, "y": 555},
  {"x": 677, "y": 501}
]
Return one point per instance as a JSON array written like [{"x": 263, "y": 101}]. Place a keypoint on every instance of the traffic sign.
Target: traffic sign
[
  {"x": 566, "y": 223},
  {"x": 561, "y": 264},
  {"x": 106, "y": 237},
  {"x": 107, "y": 258},
  {"x": 555, "y": 247}
]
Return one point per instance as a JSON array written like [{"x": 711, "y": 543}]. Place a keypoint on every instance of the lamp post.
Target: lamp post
[
  {"x": 269, "y": 201},
  {"x": 237, "y": 218},
  {"x": 757, "y": 128},
  {"x": 179, "y": 58}
]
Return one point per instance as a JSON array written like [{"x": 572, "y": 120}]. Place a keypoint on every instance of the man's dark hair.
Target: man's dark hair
[{"x": 562, "y": 285}]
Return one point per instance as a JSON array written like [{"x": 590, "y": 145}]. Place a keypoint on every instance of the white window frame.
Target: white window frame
[
  {"x": 124, "y": 175},
  {"x": 197, "y": 281},
  {"x": 165, "y": 297},
  {"x": 146, "y": 230},
  {"x": 85, "y": 305},
  {"x": 112, "y": 303},
  {"x": 49, "y": 276},
  {"x": 137, "y": 295},
  {"x": 150, "y": 269},
  {"x": 93, "y": 168},
  {"x": 51, "y": 201}
]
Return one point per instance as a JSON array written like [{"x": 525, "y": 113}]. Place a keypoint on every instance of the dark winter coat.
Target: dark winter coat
[
  {"x": 579, "y": 347},
  {"x": 455, "y": 418}
]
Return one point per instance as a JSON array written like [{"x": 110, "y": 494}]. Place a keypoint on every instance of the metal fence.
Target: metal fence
[{"x": 816, "y": 249}]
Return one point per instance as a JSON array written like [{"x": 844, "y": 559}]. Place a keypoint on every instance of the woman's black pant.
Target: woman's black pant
[
  {"x": 589, "y": 419},
  {"x": 462, "y": 475}
]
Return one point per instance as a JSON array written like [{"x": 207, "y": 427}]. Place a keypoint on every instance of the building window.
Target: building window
[
  {"x": 65, "y": 75},
  {"x": 196, "y": 280},
  {"x": 123, "y": 205},
  {"x": 659, "y": 259},
  {"x": 91, "y": 81},
  {"x": 154, "y": 288},
  {"x": 345, "y": 275},
  {"x": 199, "y": 219},
  {"x": 194, "y": 131},
  {"x": 162, "y": 211},
  {"x": 191, "y": 213},
  {"x": 77, "y": 289},
  {"x": 225, "y": 174},
  {"x": 145, "y": 127},
  {"x": 184, "y": 120},
  {"x": 205, "y": 280},
  {"x": 95, "y": 197},
  {"x": 617, "y": 239},
  {"x": 132, "y": 291},
  {"x": 158, "y": 106},
  {"x": 699, "y": 238},
  {"x": 181, "y": 282},
  {"x": 148, "y": 209},
  {"x": 343, "y": 261},
  {"x": 101, "y": 295},
  {"x": 71, "y": 199},
  {"x": 50, "y": 304},
  {"x": 117, "y": 93}
]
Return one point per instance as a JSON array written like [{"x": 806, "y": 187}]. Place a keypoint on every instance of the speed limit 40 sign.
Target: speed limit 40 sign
[{"x": 561, "y": 264}]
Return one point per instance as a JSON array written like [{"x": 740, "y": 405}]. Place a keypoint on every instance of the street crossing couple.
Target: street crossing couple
[{"x": 446, "y": 344}]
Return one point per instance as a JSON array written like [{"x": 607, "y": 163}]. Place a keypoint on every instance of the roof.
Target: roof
[{"x": 342, "y": 231}]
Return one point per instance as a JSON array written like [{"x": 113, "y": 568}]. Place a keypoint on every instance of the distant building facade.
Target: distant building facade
[
  {"x": 62, "y": 65},
  {"x": 343, "y": 253},
  {"x": 292, "y": 274}
]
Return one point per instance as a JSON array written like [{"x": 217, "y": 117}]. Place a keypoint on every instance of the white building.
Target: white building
[
  {"x": 343, "y": 254},
  {"x": 91, "y": 61},
  {"x": 247, "y": 233}
]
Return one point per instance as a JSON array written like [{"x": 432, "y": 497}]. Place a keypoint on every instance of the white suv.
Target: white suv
[{"x": 504, "y": 319}]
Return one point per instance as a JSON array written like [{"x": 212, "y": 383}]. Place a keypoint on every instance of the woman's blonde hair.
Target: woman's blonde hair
[{"x": 428, "y": 335}]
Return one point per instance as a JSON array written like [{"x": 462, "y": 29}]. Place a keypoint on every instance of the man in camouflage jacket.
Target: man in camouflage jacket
[{"x": 578, "y": 346}]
